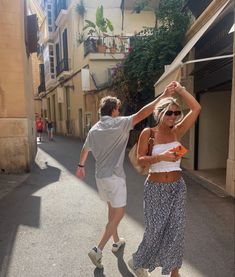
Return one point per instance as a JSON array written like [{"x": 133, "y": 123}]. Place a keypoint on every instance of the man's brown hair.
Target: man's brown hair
[{"x": 108, "y": 104}]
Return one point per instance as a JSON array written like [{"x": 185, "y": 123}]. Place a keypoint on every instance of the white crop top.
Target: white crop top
[{"x": 164, "y": 166}]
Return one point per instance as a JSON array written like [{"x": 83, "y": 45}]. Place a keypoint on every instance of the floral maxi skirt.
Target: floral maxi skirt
[{"x": 164, "y": 216}]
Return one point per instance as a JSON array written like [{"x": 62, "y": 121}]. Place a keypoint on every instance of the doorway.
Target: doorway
[{"x": 213, "y": 136}]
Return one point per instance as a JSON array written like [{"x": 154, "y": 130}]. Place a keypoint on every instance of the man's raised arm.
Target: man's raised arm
[{"x": 148, "y": 109}]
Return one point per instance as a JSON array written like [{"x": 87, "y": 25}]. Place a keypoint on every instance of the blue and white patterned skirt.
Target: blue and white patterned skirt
[{"x": 164, "y": 216}]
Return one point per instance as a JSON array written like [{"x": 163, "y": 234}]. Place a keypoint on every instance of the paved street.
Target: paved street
[{"x": 50, "y": 221}]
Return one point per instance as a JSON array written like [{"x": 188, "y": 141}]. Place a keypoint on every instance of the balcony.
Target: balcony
[
  {"x": 41, "y": 87},
  {"x": 63, "y": 66},
  {"x": 107, "y": 45},
  {"x": 61, "y": 12},
  {"x": 50, "y": 80}
]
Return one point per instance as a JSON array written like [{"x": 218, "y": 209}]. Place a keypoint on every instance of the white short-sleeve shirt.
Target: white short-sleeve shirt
[{"x": 107, "y": 141}]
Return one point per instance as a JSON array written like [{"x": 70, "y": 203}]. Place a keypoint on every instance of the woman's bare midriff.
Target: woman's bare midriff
[{"x": 165, "y": 177}]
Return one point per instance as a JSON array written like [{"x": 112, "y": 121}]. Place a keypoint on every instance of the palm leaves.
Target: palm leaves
[{"x": 101, "y": 25}]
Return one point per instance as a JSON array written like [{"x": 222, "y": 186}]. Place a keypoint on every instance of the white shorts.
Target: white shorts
[{"x": 112, "y": 189}]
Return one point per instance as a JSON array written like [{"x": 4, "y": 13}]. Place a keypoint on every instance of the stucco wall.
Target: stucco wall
[{"x": 17, "y": 136}]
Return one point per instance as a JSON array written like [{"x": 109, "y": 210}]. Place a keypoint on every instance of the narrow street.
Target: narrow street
[{"x": 49, "y": 223}]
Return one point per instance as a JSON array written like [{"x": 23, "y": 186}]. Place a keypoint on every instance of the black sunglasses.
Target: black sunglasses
[{"x": 170, "y": 113}]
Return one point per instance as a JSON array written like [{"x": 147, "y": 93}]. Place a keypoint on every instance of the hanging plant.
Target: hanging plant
[{"x": 80, "y": 8}]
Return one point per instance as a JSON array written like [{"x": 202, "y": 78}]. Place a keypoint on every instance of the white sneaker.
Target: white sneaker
[
  {"x": 96, "y": 256},
  {"x": 117, "y": 245},
  {"x": 140, "y": 272}
]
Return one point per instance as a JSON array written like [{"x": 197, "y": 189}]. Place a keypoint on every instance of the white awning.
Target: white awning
[
  {"x": 175, "y": 66},
  {"x": 174, "y": 75}
]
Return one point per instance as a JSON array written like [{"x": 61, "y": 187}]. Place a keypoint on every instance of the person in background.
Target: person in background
[
  {"x": 164, "y": 188},
  {"x": 39, "y": 128},
  {"x": 50, "y": 129},
  {"x": 107, "y": 141}
]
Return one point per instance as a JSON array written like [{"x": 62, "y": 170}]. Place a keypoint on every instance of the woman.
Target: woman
[{"x": 165, "y": 190}]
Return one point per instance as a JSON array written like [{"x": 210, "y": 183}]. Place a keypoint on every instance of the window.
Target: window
[
  {"x": 65, "y": 45},
  {"x": 57, "y": 47},
  {"x": 49, "y": 61},
  {"x": 49, "y": 18},
  {"x": 51, "y": 57}
]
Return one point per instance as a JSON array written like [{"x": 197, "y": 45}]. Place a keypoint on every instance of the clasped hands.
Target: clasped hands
[{"x": 172, "y": 88}]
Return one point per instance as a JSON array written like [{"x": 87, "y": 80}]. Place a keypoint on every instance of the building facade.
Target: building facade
[
  {"x": 18, "y": 39},
  {"x": 76, "y": 69},
  {"x": 37, "y": 61}
]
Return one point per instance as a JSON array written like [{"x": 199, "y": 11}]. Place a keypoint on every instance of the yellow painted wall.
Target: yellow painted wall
[
  {"x": 132, "y": 22},
  {"x": 17, "y": 138},
  {"x": 98, "y": 64}
]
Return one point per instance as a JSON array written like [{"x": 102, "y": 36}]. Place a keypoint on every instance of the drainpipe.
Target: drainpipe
[{"x": 122, "y": 8}]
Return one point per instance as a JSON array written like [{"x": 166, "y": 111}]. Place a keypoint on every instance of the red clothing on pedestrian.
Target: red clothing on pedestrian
[{"x": 39, "y": 125}]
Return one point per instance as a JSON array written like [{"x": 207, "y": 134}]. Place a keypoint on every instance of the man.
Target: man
[
  {"x": 50, "y": 129},
  {"x": 107, "y": 141}
]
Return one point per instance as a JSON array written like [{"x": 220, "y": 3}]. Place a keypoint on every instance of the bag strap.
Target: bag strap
[{"x": 150, "y": 142}]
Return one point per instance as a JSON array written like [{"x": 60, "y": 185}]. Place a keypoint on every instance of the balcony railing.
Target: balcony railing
[
  {"x": 108, "y": 44},
  {"x": 62, "y": 66}
]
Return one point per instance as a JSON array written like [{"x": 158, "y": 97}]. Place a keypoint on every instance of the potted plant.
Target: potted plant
[
  {"x": 122, "y": 44},
  {"x": 113, "y": 46},
  {"x": 99, "y": 28}
]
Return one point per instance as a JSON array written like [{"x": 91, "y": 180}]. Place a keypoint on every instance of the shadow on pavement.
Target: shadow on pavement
[
  {"x": 21, "y": 207},
  {"x": 122, "y": 266},
  {"x": 99, "y": 272}
]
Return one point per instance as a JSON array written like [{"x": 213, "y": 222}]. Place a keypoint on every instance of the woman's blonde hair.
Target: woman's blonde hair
[{"x": 163, "y": 106}]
